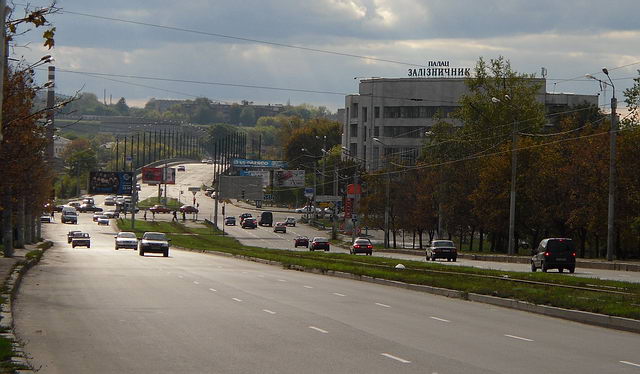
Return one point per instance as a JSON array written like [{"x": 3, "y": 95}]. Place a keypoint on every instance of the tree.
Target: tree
[
  {"x": 122, "y": 107},
  {"x": 248, "y": 116}
]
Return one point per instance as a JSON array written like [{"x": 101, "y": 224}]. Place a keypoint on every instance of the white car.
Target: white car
[
  {"x": 308, "y": 209},
  {"x": 126, "y": 240},
  {"x": 290, "y": 221}
]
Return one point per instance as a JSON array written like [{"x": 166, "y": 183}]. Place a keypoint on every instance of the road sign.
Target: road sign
[
  {"x": 268, "y": 197},
  {"x": 194, "y": 189},
  {"x": 309, "y": 192},
  {"x": 328, "y": 198}
]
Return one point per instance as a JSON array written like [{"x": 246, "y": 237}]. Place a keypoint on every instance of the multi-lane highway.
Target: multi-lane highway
[{"x": 99, "y": 310}]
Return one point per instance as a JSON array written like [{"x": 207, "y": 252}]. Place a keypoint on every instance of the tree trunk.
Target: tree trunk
[
  {"x": 420, "y": 238},
  {"x": 481, "y": 239},
  {"x": 394, "y": 239},
  {"x": 20, "y": 223},
  {"x": 37, "y": 231},
  {"x": 7, "y": 227},
  {"x": 28, "y": 237},
  {"x": 413, "y": 244}
]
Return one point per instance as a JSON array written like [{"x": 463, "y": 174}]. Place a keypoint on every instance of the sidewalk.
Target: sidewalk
[{"x": 7, "y": 263}]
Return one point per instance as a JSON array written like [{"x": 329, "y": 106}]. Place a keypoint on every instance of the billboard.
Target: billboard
[
  {"x": 241, "y": 188},
  {"x": 264, "y": 174},
  {"x": 270, "y": 164},
  {"x": 111, "y": 182},
  {"x": 157, "y": 175},
  {"x": 289, "y": 178}
]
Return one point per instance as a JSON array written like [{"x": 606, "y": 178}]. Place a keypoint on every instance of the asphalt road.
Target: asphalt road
[{"x": 104, "y": 311}]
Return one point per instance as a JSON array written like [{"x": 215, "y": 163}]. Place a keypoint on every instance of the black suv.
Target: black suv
[
  {"x": 266, "y": 219},
  {"x": 554, "y": 253}
]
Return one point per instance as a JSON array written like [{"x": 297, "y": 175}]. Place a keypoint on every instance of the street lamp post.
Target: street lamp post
[
  {"x": 386, "y": 201},
  {"x": 613, "y": 132}
]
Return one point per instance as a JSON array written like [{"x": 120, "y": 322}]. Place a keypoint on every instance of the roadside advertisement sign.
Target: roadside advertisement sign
[
  {"x": 270, "y": 164},
  {"x": 289, "y": 178},
  {"x": 158, "y": 175},
  {"x": 264, "y": 174},
  {"x": 111, "y": 182},
  {"x": 328, "y": 198}
]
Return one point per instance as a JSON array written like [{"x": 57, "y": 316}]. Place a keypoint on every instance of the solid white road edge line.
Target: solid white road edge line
[
  {"x": 440, "y": 319},
  {"x": 308, "y": 287},
  {"x": 268, "y": 311},
  {"x": 630, "y": 363},
  {"x": 213, "y": 290},
  {"x": 395, "y": 358},
  {"x": 319, "y": 329},
  {"x": 236, "y": 299},
  {"x": 518, "y": 337},
  {"x": 384, "y": 305}
]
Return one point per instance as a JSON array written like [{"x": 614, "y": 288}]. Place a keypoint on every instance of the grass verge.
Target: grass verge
[
  {"x": 148, "y": 203},
  {"x": 465, "y": 279}
]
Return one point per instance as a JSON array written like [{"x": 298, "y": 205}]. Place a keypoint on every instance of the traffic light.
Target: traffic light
[{"x": 242, "y": 194}]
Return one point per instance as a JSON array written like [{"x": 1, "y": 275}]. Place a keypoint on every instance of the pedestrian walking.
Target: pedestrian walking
[
  {"x": 184, "y": 216},
  {"x": 145, "y": 214},
  {"x": 175, "y": 216},
  {"x": 153, "y": 215}
]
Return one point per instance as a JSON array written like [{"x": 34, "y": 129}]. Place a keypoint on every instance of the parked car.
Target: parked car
[
  {"x": 319, "y": 243},
  {"x": 361, "y": 245},
  {"x": 126, "y": 240},
  {"x": 103, "y": 220},
  {"x": 111, "y": 214},
  {"x": 188, "y": 209},
  {"x": 71, "y": 234},
  {"x": 88, "y": 208},
  {"x": 308, "y": 209},
  {"x": 159, "y": 209},
  {"x": 554, "y": 253},
  {"x": 244, "y": 215},
  {"x": 249, "y": 223},
  {"x": 301, "y": 241},
  {"x": 74, "y": 204},
  {"x": 230, "y": 221},
  {"x": 155, "y": 242},
  {"x": 138, "y": 187},
  {"x": 181, "y": 168},
  {"x": 290, "y": 221},
  {"x": 280, "y": 227},
  {"x": 81, "y": 239},
  {"x": 442, "y": 249},
  {"x": 266, "y": 219},
  {"x": 46, "y": 218},
  {"x": 208, "y": 191}
]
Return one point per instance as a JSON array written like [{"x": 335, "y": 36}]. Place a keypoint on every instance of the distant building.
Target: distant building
[
  {"x": 401, "y": 110},
  {"x": 59, "y": 145}
]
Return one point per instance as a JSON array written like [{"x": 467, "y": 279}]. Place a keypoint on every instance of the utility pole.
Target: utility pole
[
  {"x": 117, "y": 153},
  {"x": 3, "y": 6},
  {"x": 51, "y": 101},
  {"x": 613, "y": 132}
]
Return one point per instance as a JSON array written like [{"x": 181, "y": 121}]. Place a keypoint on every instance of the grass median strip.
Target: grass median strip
[{"x": 590, "y": 295}]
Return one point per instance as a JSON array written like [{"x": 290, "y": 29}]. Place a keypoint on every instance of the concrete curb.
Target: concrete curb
[
  {"x": 602, "y": 320},
  {"x": 10, "y": 289}
]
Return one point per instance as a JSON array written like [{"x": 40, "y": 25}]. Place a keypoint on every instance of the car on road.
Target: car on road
[
  {"x": 69, "y": 214},
  {"x": 154, "y": 242},
  {"x": 319, "y": 243},
  {"x": 81, "y": 240},
  {"x": 188, "y": 209},
  {"x": 88, "y": 200},
  {"x": 46, "y": 218},
  {"x": 71, "y": 234},
  {"x": 103, "y": 220},
  {"x": 109, "y": 201},
  {"x": 554, "y": 253},
  {"x": 308, "y": 209},
  {"x": 88, "y": 208},
  {"x": 95, "y": 216},
  {"x": 249, "y": 223},
  {"x": 280, "y": 227},
  {"x": 58, "y": 208},
  {"x": 244, "y": 215},
  {"x": 266, "y": 219},
  {"x": 442, "y": 249},
  {"x": 126, "y": 240},
  {"x": 181, "y": 168},
  {"x": 290, "y": 221},
  {"x": 301, "y": 241},
  {"x": 230, "y": 221},
  {"x": 361, "y": 245},
  {"x": 159, "y": 209},
  {"x": 111, "y": 214}
]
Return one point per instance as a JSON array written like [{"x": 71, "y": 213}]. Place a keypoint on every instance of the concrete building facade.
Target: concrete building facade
[{"x": 399, "y": 111}]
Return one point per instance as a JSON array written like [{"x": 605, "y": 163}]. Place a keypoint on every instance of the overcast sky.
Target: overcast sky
[{"x": 569, "y": 38}]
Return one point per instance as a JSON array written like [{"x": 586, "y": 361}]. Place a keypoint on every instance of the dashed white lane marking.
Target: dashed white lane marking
[
  {"x": 440, "y": 319},
  {"x": 339, "y": 294},
  {"x": 282, "y": 280},
  {"x": 629, "y": 363},
  {"x": 395, "y": 358},
  {"x": 196, "y": 282},
  {"x": 236, "y": 299},
  {"x": 213, "y": 290},
  {"x": 319, "y": 329},
  {"x": 268, "y": 311},
  {"x": 308, "y": 287},
  {"x": 383, "y": 305},
  {"x": 518, "y": 337}
]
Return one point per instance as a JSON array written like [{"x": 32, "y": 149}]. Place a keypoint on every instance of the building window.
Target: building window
[
  {"x": 353, "y": 130},
  {"x": 364, "y": 114},
  {"x": 376, "y": 131},
  {"x": 364, "y": 134},
  {"x": 354, "y": 110},
  {"x": 347, "y": 115},
  {"x": 376, "y": 111},
  {"x": 353, "y": 149},
  {"x": 417, "y": 111},
  {"x": 403, "y": 131}
]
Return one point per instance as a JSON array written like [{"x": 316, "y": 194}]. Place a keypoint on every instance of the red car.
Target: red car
[
  {"x": 188, "y": 209},
  {"x": 159, "y": 209},
  {"x": 301, "y": 241}
]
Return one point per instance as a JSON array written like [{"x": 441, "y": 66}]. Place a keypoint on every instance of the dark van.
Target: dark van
[
  {"x": 266, "y": 219},
  {"x": 554, "y": 253}
]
